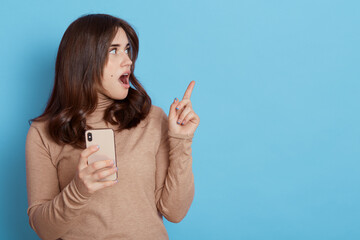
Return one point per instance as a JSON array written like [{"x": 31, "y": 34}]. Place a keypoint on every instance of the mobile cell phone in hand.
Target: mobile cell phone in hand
[{"x": 105, "y": 139}]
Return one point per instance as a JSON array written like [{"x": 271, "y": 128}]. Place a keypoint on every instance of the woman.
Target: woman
[{"x": 68, "y": 198}]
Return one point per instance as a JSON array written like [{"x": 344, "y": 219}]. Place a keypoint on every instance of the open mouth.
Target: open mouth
[{"x": 125, "y": 78}]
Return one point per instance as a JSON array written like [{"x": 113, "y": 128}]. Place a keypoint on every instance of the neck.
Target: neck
[{"x": 97, "y": 117}]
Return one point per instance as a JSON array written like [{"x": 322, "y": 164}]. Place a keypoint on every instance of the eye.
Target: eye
[
  {"x": 127, "y": 51},
  {"x": 113, "y": 51}
]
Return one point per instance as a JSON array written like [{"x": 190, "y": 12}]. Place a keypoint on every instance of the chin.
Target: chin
[
  {"x": 117, "y": 95},
  {"x": 120, "y": 97}
]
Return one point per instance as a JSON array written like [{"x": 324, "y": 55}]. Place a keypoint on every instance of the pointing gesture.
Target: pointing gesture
[
  {"x": 189, "y": 89},
  {"x": 182, "y": 118}
]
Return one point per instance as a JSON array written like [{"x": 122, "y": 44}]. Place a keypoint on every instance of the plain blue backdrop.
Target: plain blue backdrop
[{"x": 276, "y": 155}]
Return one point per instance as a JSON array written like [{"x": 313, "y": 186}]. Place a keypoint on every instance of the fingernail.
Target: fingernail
[
  {"x": 178, "y": 122},
  {"x": 175, "y": 99},
  {"x": 97, "y": 146},
  {"x": 182, "y": 123},
  {"x": 177, "y": 108}
]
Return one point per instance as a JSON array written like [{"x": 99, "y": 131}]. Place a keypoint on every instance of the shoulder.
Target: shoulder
[
  {"x": 39, "y": 125},
  {"x": 39, "y": 140},
  {"x": 38, "y": 132},
  {"x": 157, "y": 112},
  {"x": 156, "y": 119}
]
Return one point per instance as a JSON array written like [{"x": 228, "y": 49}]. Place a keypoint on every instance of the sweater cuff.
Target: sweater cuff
[
  {"x": 180, "y": 136},
  {"x": 75, "y": 195}
]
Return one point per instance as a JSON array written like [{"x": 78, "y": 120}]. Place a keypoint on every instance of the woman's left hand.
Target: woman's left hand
[{"x": 182, "y": 118}]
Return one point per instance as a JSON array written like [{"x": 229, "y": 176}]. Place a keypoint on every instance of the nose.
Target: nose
[{"x": 126, "y": 61}]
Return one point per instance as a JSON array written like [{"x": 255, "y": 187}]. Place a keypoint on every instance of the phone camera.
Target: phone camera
[{"x": 89, "y": 136}]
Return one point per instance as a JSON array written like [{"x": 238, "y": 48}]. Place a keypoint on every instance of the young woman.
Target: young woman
[{"x": 68, "y": 198}]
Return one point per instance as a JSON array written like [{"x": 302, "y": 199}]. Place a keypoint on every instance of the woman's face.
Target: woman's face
[{"x": 116, "y": 72}]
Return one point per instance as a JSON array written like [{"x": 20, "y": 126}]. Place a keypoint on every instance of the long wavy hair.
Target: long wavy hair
[{"x": 82, "y": 55}]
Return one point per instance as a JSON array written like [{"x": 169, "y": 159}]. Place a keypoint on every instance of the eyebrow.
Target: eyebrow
[{"x": 118, "y": 45}]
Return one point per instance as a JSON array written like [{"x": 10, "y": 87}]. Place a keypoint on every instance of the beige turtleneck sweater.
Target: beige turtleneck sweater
[{"x": 155, "y": 179}]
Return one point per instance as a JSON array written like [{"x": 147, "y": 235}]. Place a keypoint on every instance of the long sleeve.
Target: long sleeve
[
  {"x": 51, "y": 211},
  {"x": 174, "y": 176}
]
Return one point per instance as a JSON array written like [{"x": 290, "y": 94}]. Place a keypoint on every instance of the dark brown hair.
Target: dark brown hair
[{"x": 82, "y": 55}]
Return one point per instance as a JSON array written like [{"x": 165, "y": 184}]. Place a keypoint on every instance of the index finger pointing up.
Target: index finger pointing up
[{"x": 189, "y": 89}]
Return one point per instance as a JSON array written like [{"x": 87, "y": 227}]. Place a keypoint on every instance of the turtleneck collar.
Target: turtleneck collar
[{"x": 95, "y": 119}]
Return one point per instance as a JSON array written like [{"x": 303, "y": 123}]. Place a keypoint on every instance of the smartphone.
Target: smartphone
[{"x": 106, "y": 140}]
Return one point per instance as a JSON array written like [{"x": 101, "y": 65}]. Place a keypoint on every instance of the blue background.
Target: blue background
[{"x": 276, "y": 155}]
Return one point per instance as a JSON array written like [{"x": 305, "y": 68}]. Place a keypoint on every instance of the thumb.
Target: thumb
[{"x": 83, "y": 161}]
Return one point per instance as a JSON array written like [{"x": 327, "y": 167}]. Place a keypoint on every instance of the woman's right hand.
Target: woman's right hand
[{"x": 88, "y": 177}]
